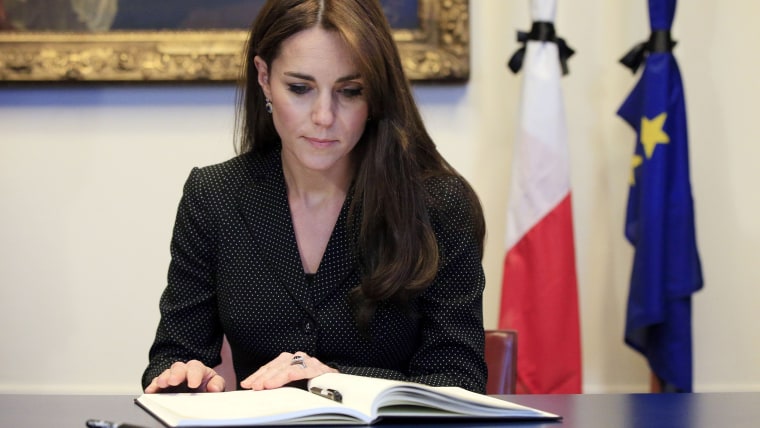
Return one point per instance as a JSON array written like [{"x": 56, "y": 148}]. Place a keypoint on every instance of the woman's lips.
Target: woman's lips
[{"x": 320, "y": 142}]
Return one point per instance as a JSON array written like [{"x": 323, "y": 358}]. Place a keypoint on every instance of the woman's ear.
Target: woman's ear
[{"x": 263, "y": 75}]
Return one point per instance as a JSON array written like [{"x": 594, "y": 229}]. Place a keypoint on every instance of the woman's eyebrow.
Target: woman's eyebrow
[{"x": 312, "y": 79}]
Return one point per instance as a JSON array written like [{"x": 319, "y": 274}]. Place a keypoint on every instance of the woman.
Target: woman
[{"x": 340, "y": 239}]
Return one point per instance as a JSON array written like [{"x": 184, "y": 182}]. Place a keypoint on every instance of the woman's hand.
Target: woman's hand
[
  {"x": 285, "y": 369},
  {"x": 194, "y": 374}
]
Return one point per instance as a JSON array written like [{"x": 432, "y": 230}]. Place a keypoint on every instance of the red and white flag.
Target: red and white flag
[{"x": 539, "y": 287}]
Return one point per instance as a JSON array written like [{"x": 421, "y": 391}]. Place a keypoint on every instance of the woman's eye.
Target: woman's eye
[
  {"x": 351, "y": 92},
  {"x": 298, "y": 89}
]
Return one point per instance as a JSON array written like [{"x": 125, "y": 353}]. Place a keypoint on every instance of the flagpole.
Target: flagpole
[{"x": 655, "y": 383}]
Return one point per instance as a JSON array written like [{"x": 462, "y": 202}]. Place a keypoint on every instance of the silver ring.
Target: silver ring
[{"x": 298, "y": 361}]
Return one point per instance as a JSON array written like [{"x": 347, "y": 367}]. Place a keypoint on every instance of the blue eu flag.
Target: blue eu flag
[{"x": 660, "y": 218}]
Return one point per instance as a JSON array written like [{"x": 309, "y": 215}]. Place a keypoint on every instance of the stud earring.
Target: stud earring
[{"x": 268, "y": 105}]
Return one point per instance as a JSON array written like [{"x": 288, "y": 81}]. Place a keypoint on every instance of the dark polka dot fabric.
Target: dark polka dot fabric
[{"x": 235, "y": 270}]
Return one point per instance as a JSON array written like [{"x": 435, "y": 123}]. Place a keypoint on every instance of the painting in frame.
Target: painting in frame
[{"x": 194, "y": 40}]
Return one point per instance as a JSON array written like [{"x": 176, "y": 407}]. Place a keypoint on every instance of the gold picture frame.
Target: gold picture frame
[{"x": 435, "y": 51}]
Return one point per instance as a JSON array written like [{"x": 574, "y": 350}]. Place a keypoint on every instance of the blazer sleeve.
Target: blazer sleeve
[
  {"x": 189, "y": 327},
  {"x": 451, "y": 347}
]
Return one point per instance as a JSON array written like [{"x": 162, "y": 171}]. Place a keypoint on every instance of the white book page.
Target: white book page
[
  {"x": 456, "y": 402},
  {"x": 245, "y": 407},
  {"x": 393, "y": 398},
  {"x": 357, "y": 392}
]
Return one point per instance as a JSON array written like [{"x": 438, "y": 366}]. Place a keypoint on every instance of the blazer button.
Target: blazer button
[{"x": 308, "y": 326}]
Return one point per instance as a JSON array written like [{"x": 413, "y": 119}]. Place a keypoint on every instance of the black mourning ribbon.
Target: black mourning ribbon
[
  {"x": 541, "y": 31},
  {"x": 659, "y": 42}
]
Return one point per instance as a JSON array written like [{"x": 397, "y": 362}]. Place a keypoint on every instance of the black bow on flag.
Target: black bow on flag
[
  {"x": 541, "y": 31},
  {"x": 659, "y": 42}
]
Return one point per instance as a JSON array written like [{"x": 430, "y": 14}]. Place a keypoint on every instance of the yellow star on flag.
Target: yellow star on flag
[
  {"x": 652, "y": 133},
  {"x": 635, "y": 162}
]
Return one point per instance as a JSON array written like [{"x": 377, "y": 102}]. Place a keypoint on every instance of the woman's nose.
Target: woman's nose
[{"x": 323, "y": 112}]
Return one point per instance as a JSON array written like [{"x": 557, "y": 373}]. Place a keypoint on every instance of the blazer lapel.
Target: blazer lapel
[
  {"x": 338, "y": 262},
  {"x": 263, "y": 204}
]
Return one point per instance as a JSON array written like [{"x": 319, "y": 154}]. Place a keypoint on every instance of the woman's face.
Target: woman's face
[{"x": 319, "y": 107}]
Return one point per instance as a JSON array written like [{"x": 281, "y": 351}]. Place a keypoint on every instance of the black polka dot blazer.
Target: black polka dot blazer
[{"x": 235, "y": 270}]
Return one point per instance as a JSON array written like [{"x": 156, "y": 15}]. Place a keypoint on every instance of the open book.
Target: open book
[{"x": 332, "y": 398}]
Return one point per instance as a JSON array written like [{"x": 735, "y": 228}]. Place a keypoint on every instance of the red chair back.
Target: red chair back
[{"x": 501, "y": 359}]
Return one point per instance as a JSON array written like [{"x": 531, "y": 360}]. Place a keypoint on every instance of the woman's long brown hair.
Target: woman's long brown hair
[{"x": 395, "y": 243}]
